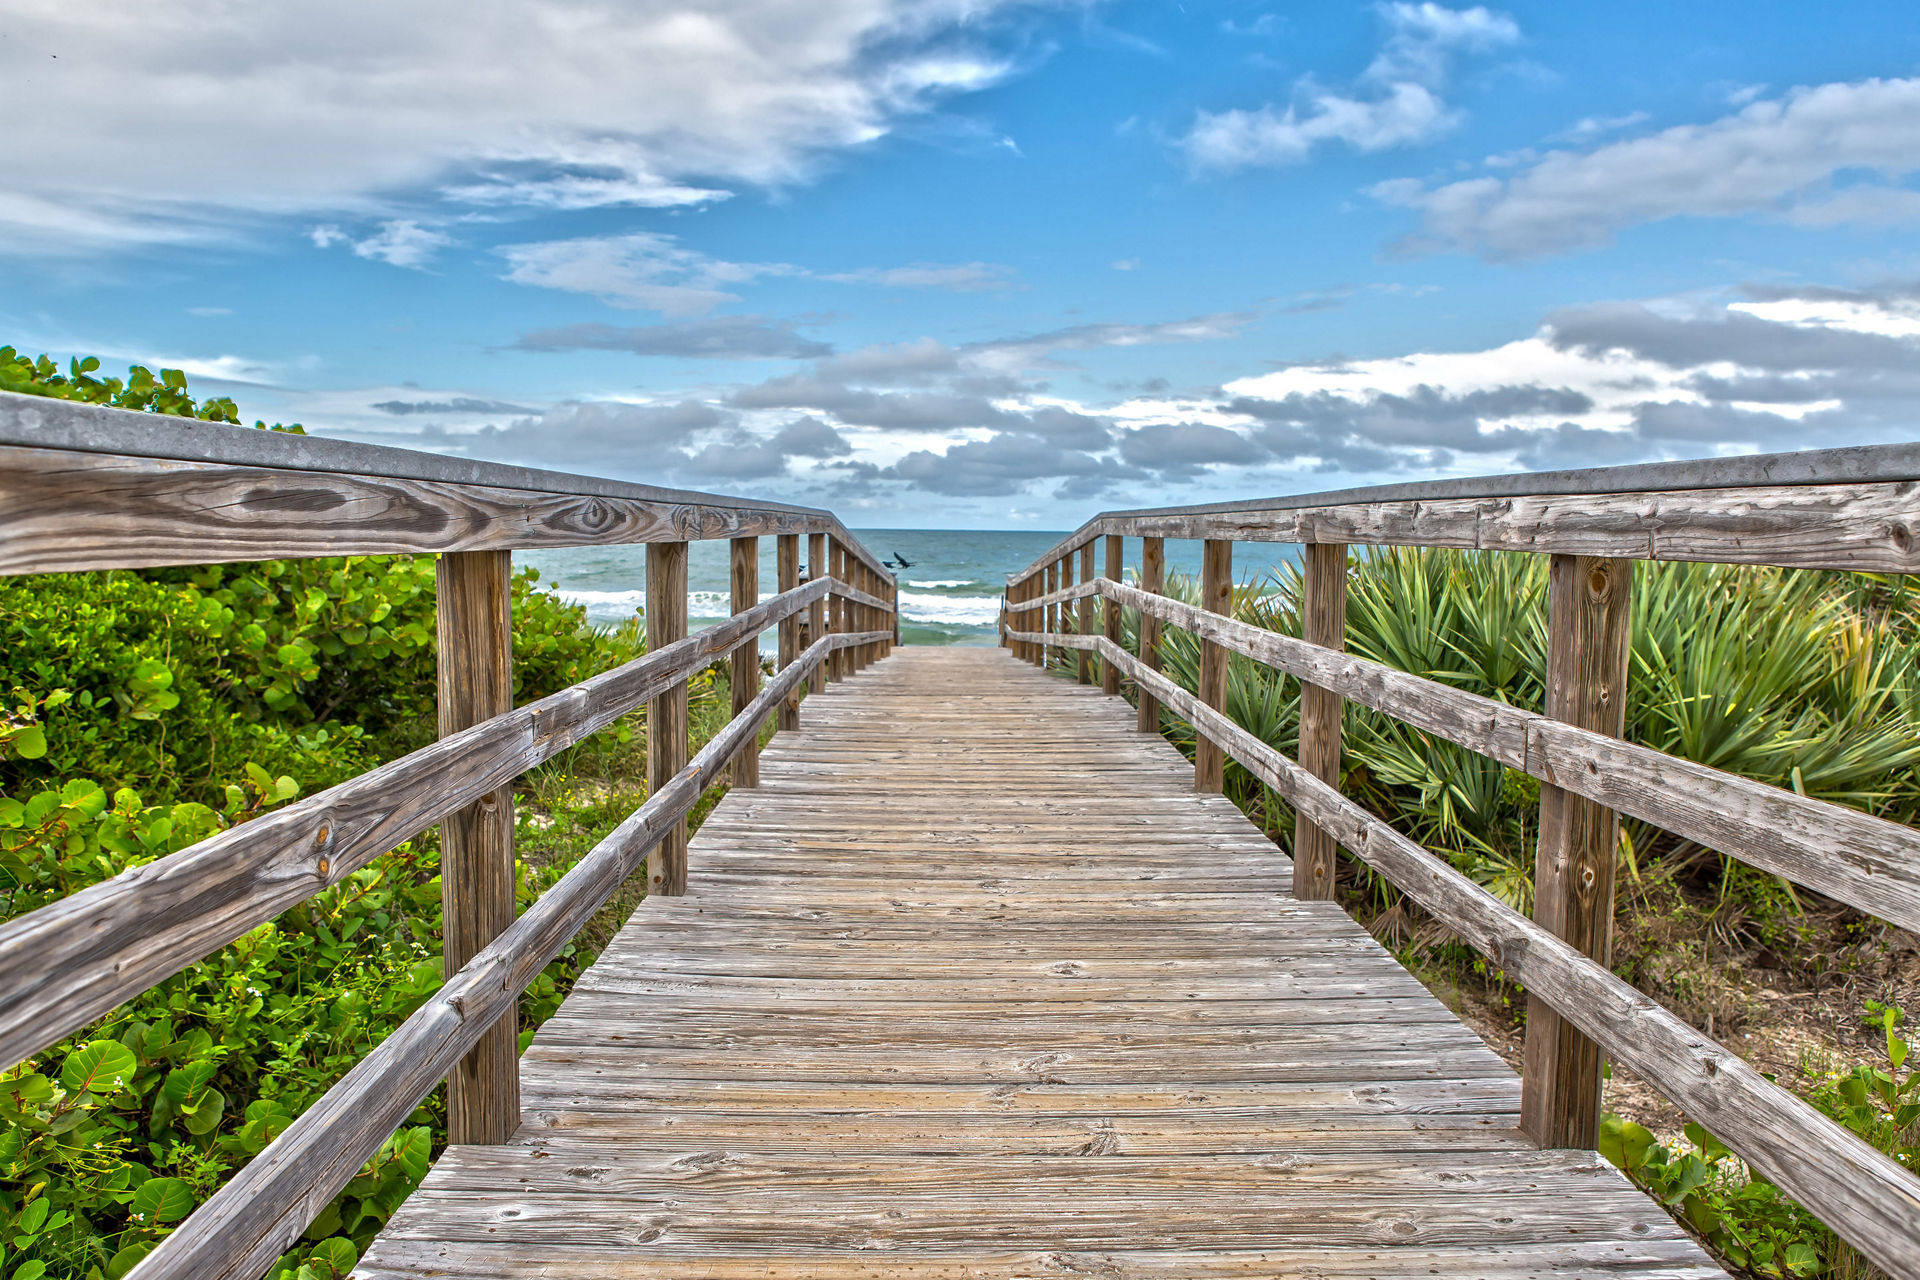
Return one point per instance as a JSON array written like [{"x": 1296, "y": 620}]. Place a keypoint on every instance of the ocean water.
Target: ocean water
[{"x": 949, "y": 593}]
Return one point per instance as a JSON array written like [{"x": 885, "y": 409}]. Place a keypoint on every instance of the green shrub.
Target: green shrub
[{"x": 149, "y": 710}]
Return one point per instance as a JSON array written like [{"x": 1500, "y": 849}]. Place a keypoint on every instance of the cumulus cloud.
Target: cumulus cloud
[
  {"x": 401, "y": 242},
  {"x": 655, "y": 272},
  {"x": 548, "y": 103},
  {"x": 643, "y": 269},
  {"x": 1397, "y": 102},
  {"x": 712, "y": 337},
  {"x": 1778, "y": 157}
]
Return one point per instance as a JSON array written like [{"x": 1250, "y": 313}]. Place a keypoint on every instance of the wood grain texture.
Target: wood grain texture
[
  {"x": 1323, "y": 623},
  {"x": 474, "y": 663},
  {"x": 1112, "y": 623},
  {"x": 817, "y": 570},
  {"x": 667, "y": 713},
  {"x": 912, "y": 1021},
  {"x": 1859, "y": 859},
  {"x": 1865, "y": 1197},
  {"x": 1216, "y": 596},
  {"x": 1590, "y": 609},
  {"x": 1153, "y": 581},
  {"x": 1053, "y": 584},
  {"x": 787, "y": 554},
  {"x": 744, "y": 580},
  {"x": 69, "y": 963},
  {"x": 63, "y": 510},
  {"x": 1865, "y": 527},
  {"x": 1085, "y": 622},
  {"x": 263, "y": 1209}
]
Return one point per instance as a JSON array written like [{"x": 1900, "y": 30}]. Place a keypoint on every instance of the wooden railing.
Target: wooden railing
[
  {"x": 1852, "y": 509},
  {"x": 85, "y": 488}
]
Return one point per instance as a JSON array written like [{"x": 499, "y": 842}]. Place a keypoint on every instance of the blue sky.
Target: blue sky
[{"x": 957, "y": 263}]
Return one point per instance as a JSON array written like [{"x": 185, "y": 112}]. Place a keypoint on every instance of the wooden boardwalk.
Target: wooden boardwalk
[{"x": 974, "y": 984}]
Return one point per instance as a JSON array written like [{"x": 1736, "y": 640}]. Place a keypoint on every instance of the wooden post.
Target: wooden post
[
  {"x": 1110, "y": 615},
  {"x": 667, "y": 714},
  {"x": 746, "y": 659},
  {"x": 837, "y": 612},
  {"x": 1050, "y": 613},
  {"x": 1323, "y": 622},
  {"x": 1216, "y": 596},
  {"x": 475, "y": 632},
  {"x": 1153, "y": 577},
  {"x": 1589, "y": 607},
  {"x": 817, "y": 611},
  {"x": 787, "y": 566},
  {"x": 1086, "y": 612}
]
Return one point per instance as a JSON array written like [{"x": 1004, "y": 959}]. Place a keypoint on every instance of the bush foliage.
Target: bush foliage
[
  {"x": 1803, "y": 680},
  {"x": 147, "y": 710}
]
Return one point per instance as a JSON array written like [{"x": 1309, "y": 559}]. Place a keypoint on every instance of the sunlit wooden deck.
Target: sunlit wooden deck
[{"x": 974, "y": 984}]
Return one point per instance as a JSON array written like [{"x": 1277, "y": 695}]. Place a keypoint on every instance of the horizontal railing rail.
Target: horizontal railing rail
[
  {"x": 89, "y": 488},
  {"x": 1849, "y": 509},
  {"x": 261, "y": 1212},
  {"x": 1853, "y": 509},
  {"x": 1854, "y": 857},
  {"x": 72, "y": 961},
  {"x": 1869, "y": 1200}
]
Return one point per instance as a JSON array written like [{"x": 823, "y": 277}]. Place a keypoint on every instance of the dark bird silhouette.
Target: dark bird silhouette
[{"x": 901, "y": 562}]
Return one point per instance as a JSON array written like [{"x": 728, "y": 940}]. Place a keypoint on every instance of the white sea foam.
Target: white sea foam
[
  {"x": 941, "y": 582},
  {"x": 971, "y": 611},
  {"x": 601, "y": 602}
]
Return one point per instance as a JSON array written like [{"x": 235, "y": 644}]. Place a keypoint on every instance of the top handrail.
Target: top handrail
[
  {"x": 183, "y": 456},
  {"x": 1888, "y": 465}
]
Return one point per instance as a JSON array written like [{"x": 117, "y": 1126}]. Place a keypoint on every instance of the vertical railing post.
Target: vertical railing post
[
  {"x": 817, "y": 611},
  {"x": 746, "y": 659},
  {"x": 1063, "y": 613},
  {"x": 475, "y": 660},
  {"x": 1589, "y": 608},
  {"x": 1323, "y": 621},
  {"x": 837, "y": 610},
  {"x": 787, "y": 567},
  {"x": 1050, "y": 613},
  {"x": 1153, "y": 578},
  {"x": 667, "y": 714},
  {"x": 1086, "y": 611},
  {"x": 1216, "y": 596},
  {"x": 1110, "y": 615},
  {"x": 893, "y": 598}
]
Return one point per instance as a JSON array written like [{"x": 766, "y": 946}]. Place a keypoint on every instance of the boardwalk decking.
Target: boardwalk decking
[{"x": 974, "y": 984}]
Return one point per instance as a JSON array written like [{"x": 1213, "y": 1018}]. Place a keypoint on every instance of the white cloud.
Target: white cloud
[
  {"x": 654, "y": 272},
  {"x": 965, "y": 277},
  {"x": 402, "y": 243},
  {"x": 643, "y": 270},
  {"x": 1776, "y": 157},
  {"x": 200, "y": 114},
  {"x": 1400, "y": 102},
  {"x": 1238, "y": 139}
]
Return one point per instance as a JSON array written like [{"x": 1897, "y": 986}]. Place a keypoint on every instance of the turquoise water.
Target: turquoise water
[{"x": 949, "y": 594}]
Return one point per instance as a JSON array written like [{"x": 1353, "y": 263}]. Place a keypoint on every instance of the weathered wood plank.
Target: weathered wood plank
[
  {"x": 1216, "y": 596},
  {"x": 1110, "y": 614},
  {"x": 1323, "y": 623},
  {"x": 909, "y": 1014},
  {"x": 1861, "y": 860},
  {"x": 744, "y": 681},
  {"x": 474, "y": 661},
  {"x": 787, "y": 553},
  {"x": 1153, "y": 581},
  {"x": 667, "y": 713},
  {"x": 1588, "y": 640},
  {"x": 262, "y": 1210},
  {"x": 1862, "y": 1195}
]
